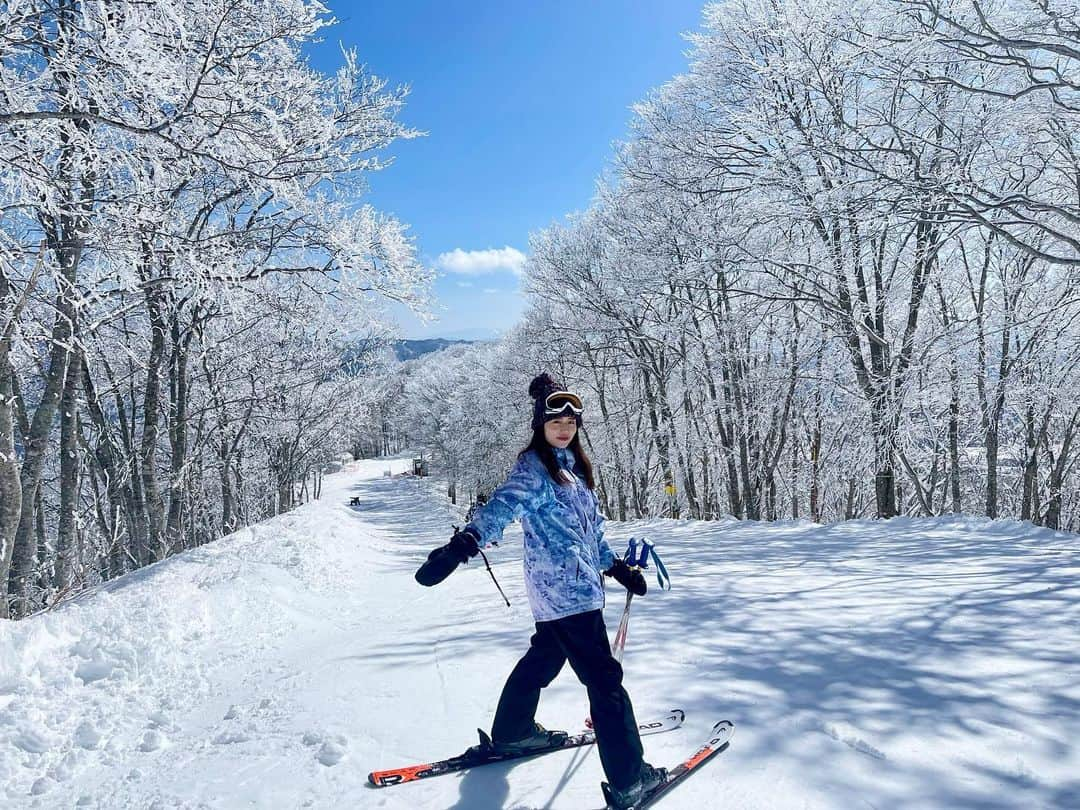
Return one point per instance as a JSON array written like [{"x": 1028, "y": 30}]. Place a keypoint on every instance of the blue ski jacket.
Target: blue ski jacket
[{"x": 565, "y": 550}]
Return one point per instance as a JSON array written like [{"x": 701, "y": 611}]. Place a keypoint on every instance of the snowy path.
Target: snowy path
[{"x": 914, "y": 663}]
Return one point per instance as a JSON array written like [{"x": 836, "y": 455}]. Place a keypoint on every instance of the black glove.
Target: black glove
[
  {"x": 442, "y": 561},
  {"x": 629, "y": 578}
]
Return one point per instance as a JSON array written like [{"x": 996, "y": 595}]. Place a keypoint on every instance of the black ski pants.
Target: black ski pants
[{"x": 582, "y": 640}]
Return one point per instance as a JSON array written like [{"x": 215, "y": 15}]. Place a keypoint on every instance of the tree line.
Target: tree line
[
  {"x": 184, "y": 257},
  {"x": 830, "y": 273}
]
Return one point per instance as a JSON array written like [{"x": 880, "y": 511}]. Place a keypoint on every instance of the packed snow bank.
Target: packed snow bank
[{"x": 908, "y": 663}]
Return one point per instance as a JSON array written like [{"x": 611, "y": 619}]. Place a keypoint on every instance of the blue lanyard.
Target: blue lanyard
[{"x": 638, "y": 554}]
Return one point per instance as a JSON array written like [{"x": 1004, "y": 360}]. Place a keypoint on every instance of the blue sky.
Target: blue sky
[{"x": 521, "y": 103}]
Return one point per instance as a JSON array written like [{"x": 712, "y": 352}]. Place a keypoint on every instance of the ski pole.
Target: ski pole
[
  {"x": 486, "y": 563},
  {"x": 636, "y": 559},
  {"x": 497, "y": 585},
  {"x": 620, "y": 635}
]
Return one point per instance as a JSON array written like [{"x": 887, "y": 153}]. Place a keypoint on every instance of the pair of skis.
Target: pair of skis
[{"x": 483, "y": 754}]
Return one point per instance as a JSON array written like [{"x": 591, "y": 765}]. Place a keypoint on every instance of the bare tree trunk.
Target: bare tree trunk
[
  {"x": 24, "y": 555},
  {"x": 1058, "y": 468},
  {"x": 771, "y": 446},
  {"x": 67, "y": 540},
  {"x": 659, "y": 435},
  {"x": 954, "y": 438},
  {"x": 689, "y": 489},
  {"x": 228, "y": 522},
  {"x": 690, "y": 484},
  {"x": 720, "y": 411},
  {"x": 815, "y": 471},
  {"x": 152, "y": 499},
  {"x": 124, "y": 458},
  {"x": 1033, "y": 437},
  {"x": 178, "y": 431},
  {"x": 815, "y": 441},
  {"x": 122, "y": 524},
  {"x": 733, "y": 372},
  {"x": 10, "y": 489},
  {"x": 284, "y": 496},
  {"x": 10, "y": 484},
  {"x": 639, "y": 475},
  {"x": 242, "y": 510},
  {"x": 283, "y": 464},
  {"x": 795, "y": 453},
  {"x": 44, "y": 553},
  {"x": 952, "y": 484},
  {"x": 616, "y": 455},
  {"x": 750, "y": 495},
  {"x": 884, "y": 455}
]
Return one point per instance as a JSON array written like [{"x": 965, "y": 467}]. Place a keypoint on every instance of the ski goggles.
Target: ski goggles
[{"x": 559, "y": 401}]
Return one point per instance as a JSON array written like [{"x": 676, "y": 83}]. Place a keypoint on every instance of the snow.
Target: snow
[{"x": 908, "y": 663}]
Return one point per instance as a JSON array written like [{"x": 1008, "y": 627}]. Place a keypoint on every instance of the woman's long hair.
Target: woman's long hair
[{"x": 582, "y": 465}]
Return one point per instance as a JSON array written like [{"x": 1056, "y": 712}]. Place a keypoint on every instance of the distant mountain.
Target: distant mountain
[
  {"x": 353, "y": 359},
  {"x": 465, "y": 333},
  {"x": 411, "y": 349}
]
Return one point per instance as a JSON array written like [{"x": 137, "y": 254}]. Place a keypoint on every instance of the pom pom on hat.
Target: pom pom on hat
[{"x": 541, "y": 386}]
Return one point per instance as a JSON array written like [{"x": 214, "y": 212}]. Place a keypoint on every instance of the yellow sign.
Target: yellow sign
[{"x": 669, "y": 490}]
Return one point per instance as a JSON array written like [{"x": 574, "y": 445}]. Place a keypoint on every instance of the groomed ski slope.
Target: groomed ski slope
[{"x": 904, "y": 664}]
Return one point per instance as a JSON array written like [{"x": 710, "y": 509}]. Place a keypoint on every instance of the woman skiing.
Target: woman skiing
[{"x": 551, "y": 490}]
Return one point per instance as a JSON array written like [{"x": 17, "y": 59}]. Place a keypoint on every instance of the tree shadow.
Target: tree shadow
[{"x": 849, "y": 640}]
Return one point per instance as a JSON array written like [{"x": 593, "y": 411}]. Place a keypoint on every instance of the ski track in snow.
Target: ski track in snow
[{"x": 903, "y": 664}]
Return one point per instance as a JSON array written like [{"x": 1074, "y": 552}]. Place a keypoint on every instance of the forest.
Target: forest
[{"x": 830, "y": 272}]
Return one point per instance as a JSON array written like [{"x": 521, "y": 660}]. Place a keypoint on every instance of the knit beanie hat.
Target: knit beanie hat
[{"x": 551, "y": 400}]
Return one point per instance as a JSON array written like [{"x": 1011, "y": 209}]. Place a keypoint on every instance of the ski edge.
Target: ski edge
[{"x": 411, "y": 773}]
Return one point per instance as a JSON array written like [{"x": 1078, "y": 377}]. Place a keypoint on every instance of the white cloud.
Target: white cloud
[
  {"x": 490, "y": 290},
  {"x": 478, "y": 262}
]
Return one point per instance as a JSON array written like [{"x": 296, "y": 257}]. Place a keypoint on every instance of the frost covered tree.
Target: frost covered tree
[
  {"x": 828, "y": 274},
  {"x": 1021, "y": 61},
  {"x": 169, "y": 156}
]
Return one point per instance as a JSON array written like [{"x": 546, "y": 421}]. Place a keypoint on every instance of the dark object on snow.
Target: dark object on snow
[
  {"x": 629, "y": 578},
  {"x": 354, "y": 500},
  {"x": 442, "y": 561}
]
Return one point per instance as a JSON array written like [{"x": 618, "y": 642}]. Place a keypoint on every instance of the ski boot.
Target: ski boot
[
  {"x": 649, "y": 779},
  {"x": 539, "y": 740}
]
